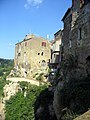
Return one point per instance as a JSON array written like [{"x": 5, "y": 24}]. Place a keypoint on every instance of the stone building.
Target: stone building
[
  {"x": 76, "y": 33},
  {"x": 55, "y": 49},
  {"x": 32, "y": 54}
]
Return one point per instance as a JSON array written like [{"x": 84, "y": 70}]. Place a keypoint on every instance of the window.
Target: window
[
  {"x": 79, "y": 34},
  {"x": 70, "y": 43},
  {"x": 38, "y": 53},
  {"x": 70, "y": 18},
  {"x": 25, "y": 43},
  {"x": 44, "y": 44},
  {"x": 43, "y": 63},
  {"x": 19, "y": 54},
  {"x": 42, "y": 53}
]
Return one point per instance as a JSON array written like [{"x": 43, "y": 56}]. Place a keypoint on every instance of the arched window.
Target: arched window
[
  {"x": 43, "y": 63},
  {"x": 42, "y": 53}
]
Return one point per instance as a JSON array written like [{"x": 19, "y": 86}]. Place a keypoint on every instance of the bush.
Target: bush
[
  {"x": 69, "y": 115},
  {"x": 75, "y": 95},
  {"x": 3, "y": 82},
  {"x": 20, "y": 107}
]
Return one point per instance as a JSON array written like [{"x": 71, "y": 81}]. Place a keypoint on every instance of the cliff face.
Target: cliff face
[
  {"x": 70, "y": 92},
  {"x": 74, "y": 96},
  {"x": 43, "y": 106}
]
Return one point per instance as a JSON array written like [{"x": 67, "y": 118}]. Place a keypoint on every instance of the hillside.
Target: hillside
[{"x": 5, "y": 66}]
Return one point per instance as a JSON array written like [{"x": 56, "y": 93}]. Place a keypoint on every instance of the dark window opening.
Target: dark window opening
[
  {"x": 88, "y": 58},
  {"x": 49, "y": 60},
  {"x": 42, "y": 53},
  {"x": 88, "y": 65},
  {"x": 70, "y": 18},
  {"x": 38, "y": 53},
  {"x": 25, "y": 43},
  {"x": 44, "y": 44},
  {"x": 26, "y": 72},
  {"x": 79, "y": 33},
  {"x": 19, "y": 54},
  {"x": 43, "y": 63}
]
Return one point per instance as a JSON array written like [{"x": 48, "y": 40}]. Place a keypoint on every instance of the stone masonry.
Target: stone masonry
[
  {"x": 76, "y": 33},
  {"x": 32, "y": 54}
]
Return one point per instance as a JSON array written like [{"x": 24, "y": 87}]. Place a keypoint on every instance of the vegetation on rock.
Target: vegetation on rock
[
  {"x": 21, "y": 106},
  {"x": 5, "y": 68}
]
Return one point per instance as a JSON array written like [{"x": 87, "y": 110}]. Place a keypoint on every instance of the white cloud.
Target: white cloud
[
  {"x": 26, "y": 6},
  {"x": 10, "y": 44},
  {"x": 33, "y": 3}
]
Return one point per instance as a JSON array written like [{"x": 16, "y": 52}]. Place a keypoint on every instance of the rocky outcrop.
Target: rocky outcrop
[
  {"x": 85, "y": 116},
  {"x": 44, "y": 106},
  {"x": 74, "y": 95},
  {"x": 58, "y": 101},
  {"x": 8, "y": 91}
]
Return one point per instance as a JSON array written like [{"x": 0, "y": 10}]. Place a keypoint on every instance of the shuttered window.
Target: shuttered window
[{"x": 44, "y": 44}]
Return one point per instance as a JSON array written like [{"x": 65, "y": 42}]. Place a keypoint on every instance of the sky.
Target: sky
[{"x": 21, "y": 17}]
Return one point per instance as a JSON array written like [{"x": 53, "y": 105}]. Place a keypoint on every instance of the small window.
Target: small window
[
  {"x": 79, "y": 34},
  {"x": 44, "y": 44},
  {"x": 42, "y": 53},
  {"x": 43, "y": 63},
  {"x": 70, "y": 18},
  {"x": 38, "y": 53},
  {"x": 70, "y": 43},
  {"x": 25, "y": 43},
  {"x": 19, "y": 54}
]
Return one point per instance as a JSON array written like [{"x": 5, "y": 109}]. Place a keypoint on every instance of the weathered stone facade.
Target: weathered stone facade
[
  {"x": 75, "y": 66},
  {"x": 32, "y": 54},
  {"x": 76, "y": 33}
]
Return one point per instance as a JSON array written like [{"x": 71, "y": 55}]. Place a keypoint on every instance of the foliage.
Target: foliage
[
  {"x": 44, "y": 100},
  {"x": 49, "y": 70},
  {"x": 75, "y": 95},
  {"x": 20, "y": 107},
  {"x": 40, "y": 77},
  {"x": 69, "y": 115},
  {"x": 3, "y": 82},
  {"x": 5, "y": 67}
]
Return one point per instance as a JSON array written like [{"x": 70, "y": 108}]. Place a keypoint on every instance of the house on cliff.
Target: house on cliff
[
  {"x": 31, "y": 54},
  {"x": 55, "y": 50},
  {"x": 76, "y": 33}
]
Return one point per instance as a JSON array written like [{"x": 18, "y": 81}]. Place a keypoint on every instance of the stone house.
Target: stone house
[
  {"x": 76, "y": 33},
  {"x": 32, "y": 54},
  {"x": 55, "y": 49}
]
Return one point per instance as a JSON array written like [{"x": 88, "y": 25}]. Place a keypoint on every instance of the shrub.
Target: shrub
[
  {"x": 76, "y": 92},
  {"x": 20, "y": 107}
]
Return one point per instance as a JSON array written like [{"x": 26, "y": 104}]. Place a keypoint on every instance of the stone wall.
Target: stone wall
[
  {"x": 32, "y": 54},
  {"x": 76, "y": 34}
]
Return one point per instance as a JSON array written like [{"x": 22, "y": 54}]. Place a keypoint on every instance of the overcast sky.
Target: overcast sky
[{"x": 20, "y": 17}]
